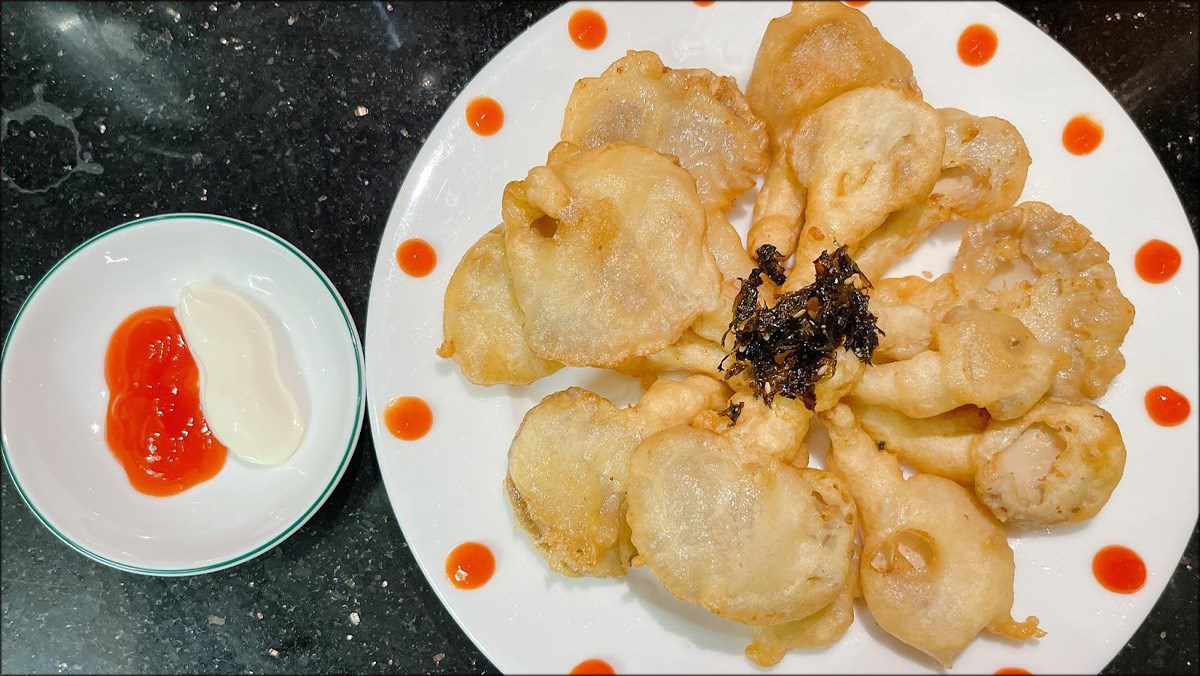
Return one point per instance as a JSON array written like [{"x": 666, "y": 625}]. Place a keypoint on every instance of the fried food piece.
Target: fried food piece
[
  {"x": 936, "y": 567},
  {"x": 860, "y": 157},
  {"x": 567, "y": 469},
  {"x": 699, "y": 117},
  {"x": 776, "y": 430},
  {"x": 778, "y": 209},
  {"x": 939, "y": 445},
  {"x": 691, "y": 353},
  {"x": 481, "y": 323},
  {"x": 906, "y": 309},
  {"x": 816, "y": 52},
  {"x": 818, "y": 630},
  {"x": 984, "y": 165},
  {"x": 735, "y": 265},
  {"x": 1057, "y": 464},
  {"x": 607, "y": 253},
  {"x": 983, "y": 358},
  {"x": 726, "y": 527},
  {"x": 983, "y": 172},
  {"x": 1072, "y": 303}
]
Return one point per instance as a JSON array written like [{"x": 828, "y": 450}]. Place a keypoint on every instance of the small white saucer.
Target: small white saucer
[{"x": 55, "y": 396}]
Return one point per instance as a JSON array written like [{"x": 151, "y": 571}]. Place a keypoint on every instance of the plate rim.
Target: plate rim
[{"x": 360, "y": 369}]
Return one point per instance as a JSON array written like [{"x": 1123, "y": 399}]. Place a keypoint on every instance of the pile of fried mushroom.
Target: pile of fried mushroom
[{"x": 617, "y": 253}]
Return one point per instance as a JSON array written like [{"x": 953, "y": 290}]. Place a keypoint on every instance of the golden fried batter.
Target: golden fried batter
[
  {"x": 567, "y": 467},
  {"x": 699, "y": 117},
  {"x": 1057, "y": 464},
  {"x": 481, "y": 323},
  {"x": 608, "y": 254},
  {"x": 936, "y": 567}
]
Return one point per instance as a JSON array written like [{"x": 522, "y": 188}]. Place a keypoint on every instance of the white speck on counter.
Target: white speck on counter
[
  {"x": 292, "y": 19},
  {"x": 349, "y": 637},
  {"x": 217, "y": 620},
  {"x": 360, "y": 111},
  {"x": 439, "y": 657},
  {"x": 273, "y": 652},
  {"x": 354, "y": 619}
]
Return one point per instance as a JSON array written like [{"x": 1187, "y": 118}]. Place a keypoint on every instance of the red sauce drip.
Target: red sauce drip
[
  {"x": 704, "y": 3},
  {"x": 977, "y": 44},
  {"x": 408, "y": 418},
  {"x": 484, "y": 115},
  {"x": 416, "y": 257},
  {"x": 1119, "y": 569},
  {"x": 154, "y": 425},
  {"x": 587, "y": 28},
  {"x": 1082, "y": 135},
  {"x": 470, "y": 565},
  {"x": 1012, "y": 670},
  {"x": 1167, "y": 406},
  {"x": 592, "y": 666},
  {"x": 1157, "y": 261}
]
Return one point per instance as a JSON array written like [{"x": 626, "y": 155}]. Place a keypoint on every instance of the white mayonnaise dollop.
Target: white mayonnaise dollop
[{"x": 248, "y": 407}]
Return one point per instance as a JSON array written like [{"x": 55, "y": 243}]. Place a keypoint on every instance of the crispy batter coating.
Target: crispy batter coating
[
  {"x": 939, "y": 445},
  {"x": 816, "y": 52},
  {"x": 608, "y": 254},
  {"x": 860, "y": 157},
  {"x": 747, "y": 537},
  {"x": 983, "y": 172},
  {"x": 481, "y": 323},
  {"x": 818, "y": 630},
  {"x": 936, "y": 566},
  {"x": 735, "y": 265},
  {"x": 567, "y": 469},
  {"x": 1057, "y": 464},
  {"x": 699, "y": 117},
  {"x": 907, "y": 308},
  {"x": 1072, "y": 303},
  {"x": 983, "y": 358}
]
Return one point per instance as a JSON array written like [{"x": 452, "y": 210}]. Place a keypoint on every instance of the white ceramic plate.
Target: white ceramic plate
[
  {"x": 446, "y": 487},
  {"x": 55, "y": 396}
]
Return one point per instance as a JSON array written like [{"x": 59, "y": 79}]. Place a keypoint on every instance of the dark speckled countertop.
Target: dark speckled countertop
[{"x": 303, "y": 118}]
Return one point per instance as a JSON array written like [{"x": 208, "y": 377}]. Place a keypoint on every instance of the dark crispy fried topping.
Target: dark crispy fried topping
[
  {"x": 733, "y": 412},
  {"x": 788, "y": 348}
]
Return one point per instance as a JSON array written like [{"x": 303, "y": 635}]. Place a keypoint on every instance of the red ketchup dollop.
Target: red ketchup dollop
[
  {"x": 1157, "y": 261},
  {"x": 154, "y": 425},
  {"x": 1119, "y": 569},
  {"x": 470, "y": 565},
  {"x": 587, "y": 28},
  {"x": 592, "y": 666}
]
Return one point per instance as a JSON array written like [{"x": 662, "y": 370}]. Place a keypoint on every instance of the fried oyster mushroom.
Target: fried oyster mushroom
[
  {"x": 939, "y": 445},
  {"x": 1057, "y": 464},
  {"x": 982, "y": 358},
  {"x": 699, "y": 117},
  {"x": 1072, "y": 302},
  {"x": 1067, "y": 297},
  {"x": 936, "y": 568},
  {"x": 607, "y": 253},
  {"x": 860, "y": 157},
  {"x": 817, "y": 52},
  {"x": 983, "y": 172},
  {"x": 814, "y": 53},
  {"x": 481, "y": 323},
  {"x": 567, "y": 469},
  {"x": 728, "y": 527}
]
